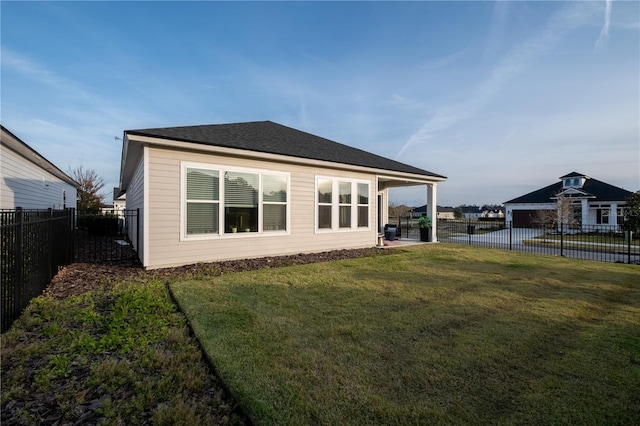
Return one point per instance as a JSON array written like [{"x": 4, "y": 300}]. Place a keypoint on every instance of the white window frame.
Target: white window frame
[
  {"x": 335, "y": 205},
  {"x": 221, "y": 234}
]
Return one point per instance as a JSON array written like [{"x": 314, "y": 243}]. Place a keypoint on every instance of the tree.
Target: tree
[
  {"x": 564, "y": 212},
  {"x": 89, "y": 196},
  {"x": 398, "y": 211},
  {"x": 458, "y": 213},
  {"x": 632, "y": 213}
]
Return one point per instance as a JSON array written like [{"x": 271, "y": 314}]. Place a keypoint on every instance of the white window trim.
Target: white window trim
[
  {"x": 335, "y": 205},
  {"x": 221, "y": 234}
]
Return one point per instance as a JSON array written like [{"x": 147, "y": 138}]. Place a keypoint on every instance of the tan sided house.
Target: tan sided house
[{"x": 233, "y": 191}]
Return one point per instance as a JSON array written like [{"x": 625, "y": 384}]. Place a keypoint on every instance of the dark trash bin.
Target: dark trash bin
[
  {"x": 471, "y": 229},
  {"x": 390, "y": 232},
  {"x": 394, "y": 226}
]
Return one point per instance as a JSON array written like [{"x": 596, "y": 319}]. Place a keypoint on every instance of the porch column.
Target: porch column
[
  {"x": 432, "y": 211},
  {"x": 613, "y": 214},
  {"x": 585, "y": 212}
]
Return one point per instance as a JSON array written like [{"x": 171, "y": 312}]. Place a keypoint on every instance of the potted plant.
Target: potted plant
[{"x": 424, "y": 223}]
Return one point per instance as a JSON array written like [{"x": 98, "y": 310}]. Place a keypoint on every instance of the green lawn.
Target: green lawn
[
  {"x": 433, "y": 334},
  {"x": 593, "y": 238}
]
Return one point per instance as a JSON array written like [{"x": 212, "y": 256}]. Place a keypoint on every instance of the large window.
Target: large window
[
  {"x": 274, "y": 202},
  {"x": 245, "y": 201},
  {"x": 620, "y": 215},
  {"x": 363, "y": 205},
  {"x": 344, "y": 201},
  {"x": 325, "y": 200},
  {"x": 602, "y": 216},
  {"x": 241, "y": 202},
  {"x": 203, "y": 200},
  {"x": 342, "y": 204}
]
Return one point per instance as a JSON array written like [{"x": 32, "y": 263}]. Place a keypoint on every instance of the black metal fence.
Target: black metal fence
[
  {"x": 593, "y": 242},
  {"x": 106, "y": 237},
  {"x": 34, "y": 244}
]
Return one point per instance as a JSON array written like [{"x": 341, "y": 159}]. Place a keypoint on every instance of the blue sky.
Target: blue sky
[{"x": 501, "y": 97}]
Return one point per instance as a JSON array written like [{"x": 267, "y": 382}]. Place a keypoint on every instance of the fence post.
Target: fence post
[
  {"x": 70, "y": 233},
  {"x": 510, "y": 235},
  {"x": 561, "y": 238},
  {"x": 629, "y": 246},
  {"x": 138, "y": 230},
  {"x": 50, "y": 242},
  {"x": 17, "y": 283}
]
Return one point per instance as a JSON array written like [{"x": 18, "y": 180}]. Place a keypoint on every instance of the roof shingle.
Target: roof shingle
[{"x": 272, "y": 138}]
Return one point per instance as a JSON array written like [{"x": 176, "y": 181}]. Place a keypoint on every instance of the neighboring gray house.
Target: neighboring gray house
[
  {"x": 471, "y": 212},
  {"x": 444, "y": 213},
  {"x": 594, "y": 202},
  {"x": 232, "y": 191},
  {"x": 29, "y": 180}
]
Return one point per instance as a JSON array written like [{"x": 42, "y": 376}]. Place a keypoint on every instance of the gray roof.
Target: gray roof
[{"x": 272, "y": 138}]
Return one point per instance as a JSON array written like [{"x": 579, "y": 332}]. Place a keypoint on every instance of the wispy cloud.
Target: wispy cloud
[
  {"x": 520, "y": 59},
  {"x": 444, "y": 61},
  {"x": 41, "y": 75},
  {"x": 604, "y": 33}
]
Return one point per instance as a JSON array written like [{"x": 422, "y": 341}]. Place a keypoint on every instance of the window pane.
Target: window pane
[
  {"x": 274, "y": 188},
  {"x": 345, "y": 192},
  {"x": 202, "y": 218},
  {"x": 363, "y": 216},
  {"x": 324, "y": 217},
  {"x": 345, "y": 216},
  {"x": 363, "y": 193},
  {"x": 202, "y": 184},
  {"x": 324, "y": 190},
  {"x": 274, "y": 217},
  {"x": 241, "y": 219},
  {"x": 241, "y": 189}
]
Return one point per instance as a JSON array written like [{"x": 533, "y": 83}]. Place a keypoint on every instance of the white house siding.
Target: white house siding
[
  {"x": 165, "y": 248},
  {"x": 27, "y": 185},
  {"x": 135, "y": 200}
]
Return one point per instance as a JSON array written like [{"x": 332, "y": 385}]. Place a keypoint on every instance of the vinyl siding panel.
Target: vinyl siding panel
[
  {"x": 26, "y": 185},
  {"x": 135, "y": 200},
  {"x": 166, "y": 249}
]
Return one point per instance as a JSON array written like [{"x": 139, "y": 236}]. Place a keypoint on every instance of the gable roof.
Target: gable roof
[
  {"x": 272, "y": 138},
  {"x": 594, "y": 189}
]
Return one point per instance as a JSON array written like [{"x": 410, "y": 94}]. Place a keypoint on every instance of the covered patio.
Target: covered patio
[{"x": 385, "y": 183}]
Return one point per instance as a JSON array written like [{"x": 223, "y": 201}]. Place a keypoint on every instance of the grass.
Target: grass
[
  {"x": 437, "y": 334},
  {"x": 122, "y": 356},
  {"x": 593, "y": 238}
]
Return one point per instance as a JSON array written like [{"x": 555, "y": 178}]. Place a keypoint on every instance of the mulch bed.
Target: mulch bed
[{"x": 79, "y": 278}]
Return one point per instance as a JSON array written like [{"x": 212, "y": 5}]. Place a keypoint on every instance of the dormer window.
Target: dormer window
[{"x": 572, "y": 182}]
